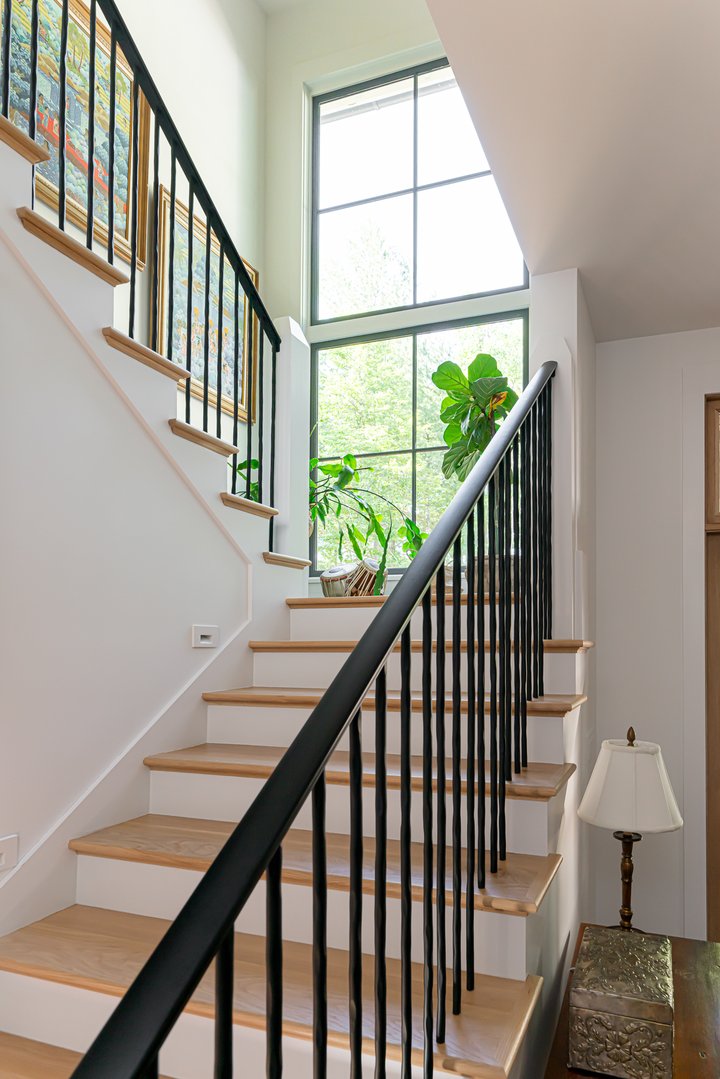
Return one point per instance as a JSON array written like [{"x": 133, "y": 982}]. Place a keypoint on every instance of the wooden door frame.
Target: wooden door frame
[{"x": 712, "y": 666}]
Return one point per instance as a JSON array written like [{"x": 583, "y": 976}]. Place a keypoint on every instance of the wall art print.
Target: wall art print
[
  {"x": 77, "y": 119},
  {"x": 178, "y": 345}
]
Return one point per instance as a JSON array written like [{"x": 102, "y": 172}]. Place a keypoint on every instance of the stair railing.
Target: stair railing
[
  {"x": 196, "y": 303},
  {"x": 499, "y": 519}
]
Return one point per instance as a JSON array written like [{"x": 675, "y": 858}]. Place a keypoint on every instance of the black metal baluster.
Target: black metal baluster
[
  {"x": 249, "y": 392},
  {"x": 224, "y": 982},
  {"x": 502, "y": 684},
  {"x": 535, "y": 590},
  {"x": 111, "y": 147},
  {"x": 492, "y": 661},
  {"x": 171, "y": 265},
  {"x": 189, "y": 309},
  {"x": 34, "y": 29},
  {"x": 319, "y": 858},
  {"x": 273, "y": 396},
  {"x": 218, "y": 406},
  {"x": 541, "y": 539},
  {"x": 6, "y": 56},
  {"x": 380, "y": 874},
  {"x": 32, "y": 106},
  {"x": 516, "y": 591},
  {"x": 470, "y": 780},
  {"x": 456, "y": 780},
  {"x": 441, "y": 792},
  {"x": 481, "y": 695},
  {"x": 405, "y": 863},
  {"x": 206, "y": 336},
  {"x": 548, "y": 492},
  {"x": 260, "y": 390},
  {"x": 155, "y": 256},
  {"x": 62, "y": 117},
  {"x": 134, "y": 211},
  {"x": 356, "y": 859},
  {"x": 273, "y": 964},
  {"x": 507, "y": 621},
  {"x": 91, "y": 125},
  {"x": 427, "y": 644},
  {"x": 237, "y": 374},
  {"x": 152, "y": 1070},
  {"x": 527, "y": 581}
]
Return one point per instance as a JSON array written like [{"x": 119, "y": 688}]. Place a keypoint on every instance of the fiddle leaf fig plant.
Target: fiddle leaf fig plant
[{"x": 472, "y": 410}]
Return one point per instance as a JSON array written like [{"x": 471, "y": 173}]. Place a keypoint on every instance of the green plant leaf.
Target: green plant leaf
[
  {"x": 485, "y": 389},
  {"x": 345, "y": 476},
  {"x": 453, "y": 433},
  {"x": 332, "y": 469},
  {"x": 314, "y": 462},
  {"x": 354, "y": 542},
  {"x": 350, "y": 461},
  {"x": 483, "y": 366},
  {"x": 455, "y": 412},
  {"x": 450, "y": 378}
]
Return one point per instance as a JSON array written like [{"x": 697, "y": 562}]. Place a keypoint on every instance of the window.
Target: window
[
  {"x": 406, "y": 217},
  {"x": 405, "y": 209}
]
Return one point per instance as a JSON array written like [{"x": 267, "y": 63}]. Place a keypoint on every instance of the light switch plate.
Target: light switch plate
[
  {"x": 205, "y": 636},
  {"x": 8, "y": 851}
]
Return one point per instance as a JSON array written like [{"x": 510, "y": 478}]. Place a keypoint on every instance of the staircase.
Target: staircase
[
  {"x": 369, "y": 944},
  {"x": 133, "y": 877}
]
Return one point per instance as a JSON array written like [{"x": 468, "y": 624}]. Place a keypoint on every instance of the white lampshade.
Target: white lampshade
[{"x": 630, "y": 791}]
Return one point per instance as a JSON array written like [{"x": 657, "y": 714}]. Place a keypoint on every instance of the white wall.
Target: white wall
[
  {"x": 208, "y": 60},
  {"x": 315, "y": 47},
  {"x": 650, "y": 602}
]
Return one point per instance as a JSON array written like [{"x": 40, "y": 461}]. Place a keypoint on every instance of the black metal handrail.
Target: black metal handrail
[
  {"x": 230, "y": 385},
  {"x": 129, "y": 1044}
]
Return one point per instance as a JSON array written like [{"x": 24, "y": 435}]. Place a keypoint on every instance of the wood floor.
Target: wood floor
[{"x": 101, "y": 950}]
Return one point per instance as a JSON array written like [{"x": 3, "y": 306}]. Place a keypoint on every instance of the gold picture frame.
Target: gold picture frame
[
  {"x": 77, "y": 108},
  {"x": 180, "y": 284}
]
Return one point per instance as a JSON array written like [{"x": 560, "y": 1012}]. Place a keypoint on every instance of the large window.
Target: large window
[
  {"x": 412, "y": 254},
  {"x": 405, "y": 209}
]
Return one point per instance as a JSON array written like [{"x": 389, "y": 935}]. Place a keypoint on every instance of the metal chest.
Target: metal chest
[{"x": 621, "y": 1005}]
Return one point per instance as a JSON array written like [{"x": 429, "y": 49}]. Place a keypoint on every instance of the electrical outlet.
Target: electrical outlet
[
  {"x": 8, "y": 851},
  {"x": 205, "y": 636}
]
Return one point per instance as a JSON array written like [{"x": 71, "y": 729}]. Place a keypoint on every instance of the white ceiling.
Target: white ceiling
[
  {"x": 601, "y": 122},
  {"x": 278, "y": 5}
]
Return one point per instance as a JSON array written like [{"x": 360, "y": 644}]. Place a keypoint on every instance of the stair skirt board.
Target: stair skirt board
[
  {"x": 564, "y": 673},
  {"x": 160, "y": 891},
  {"x": 532, "y": 827},
  {"x": 249, "y": 725},
  {"x": 77, "y": 961}
]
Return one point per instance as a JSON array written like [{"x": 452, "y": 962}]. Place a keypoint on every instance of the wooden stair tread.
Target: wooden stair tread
[
  {"x": 539, "y": 782},
  {"x": 18, "y": 140},
  {"x": 187, "y": 843},
  {"x": 325, "y": 603},
  {"x": 67, "y": 245},
  {"x": 551, "y": 704},
  {"x": 290, "y": 561},
  {"x": 130, "y": 347},
  {"x": 102, "y": 950},
  {"x": 24, "y": 1058},
  {"x": 202, "y": 438},
  {"x": 257, "y": 509},
  {"x": 557, "y": 645}
]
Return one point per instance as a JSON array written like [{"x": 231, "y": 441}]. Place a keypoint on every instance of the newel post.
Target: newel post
[{"x": 292, "y": 448}]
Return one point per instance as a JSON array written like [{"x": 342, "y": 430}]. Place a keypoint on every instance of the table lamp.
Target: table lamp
[{"x": 630, "y": 793}]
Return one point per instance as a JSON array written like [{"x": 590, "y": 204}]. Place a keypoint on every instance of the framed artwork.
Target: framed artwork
[
  {"x": 197, "y": 327},
  {"x": 77, "y": 119}
]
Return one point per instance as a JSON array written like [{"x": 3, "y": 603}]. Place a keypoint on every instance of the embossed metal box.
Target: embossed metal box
[{"x": 621, "y": 1005}]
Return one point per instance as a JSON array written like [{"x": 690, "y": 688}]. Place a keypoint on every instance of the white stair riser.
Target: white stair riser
[
  {"x": 249, "y": 725},
  {"x": 160, "y": 892},
  {"x": 308, "y": 670},
  {"x": 69, "y": 1017},
  {"x": 227, "y": 798},
  {"x": 346, "y": 624}
]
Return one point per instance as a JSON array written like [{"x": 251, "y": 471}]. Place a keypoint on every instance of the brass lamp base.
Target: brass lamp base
[{"x": 626, "y": 875}]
